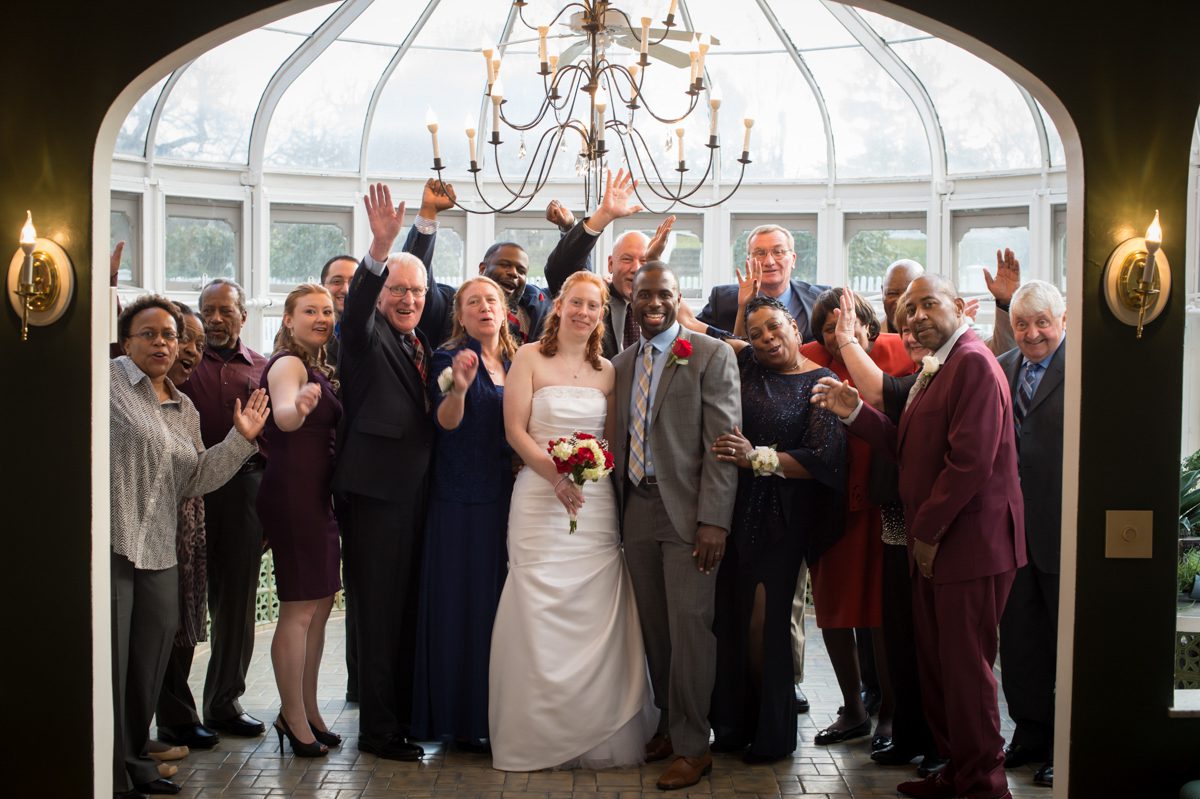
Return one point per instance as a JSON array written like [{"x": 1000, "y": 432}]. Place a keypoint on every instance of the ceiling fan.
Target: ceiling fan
[{"x": 615, "y": 30}]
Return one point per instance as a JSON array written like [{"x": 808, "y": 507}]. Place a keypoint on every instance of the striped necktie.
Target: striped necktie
[
  {"x": 637, "y": 440},
  {"x": 418, "y": 355},
  {"x": 1025, "y": 391}
]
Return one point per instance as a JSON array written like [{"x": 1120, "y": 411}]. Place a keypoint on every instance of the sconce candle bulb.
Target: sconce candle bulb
[
  {"x": 28, "y": 240},
  {"x": 1153, "y": 242}
]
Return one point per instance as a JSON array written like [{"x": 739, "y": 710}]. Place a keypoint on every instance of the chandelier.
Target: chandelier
[{"x": 587, "y": 68}]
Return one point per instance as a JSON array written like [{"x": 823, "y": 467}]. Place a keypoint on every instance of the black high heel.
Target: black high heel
[
  {"x": 327, "y": 737},
  {"x": 299, "y": 748}
]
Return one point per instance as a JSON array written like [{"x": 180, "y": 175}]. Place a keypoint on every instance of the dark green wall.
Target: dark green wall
[{"x": 1112, "y": 67}]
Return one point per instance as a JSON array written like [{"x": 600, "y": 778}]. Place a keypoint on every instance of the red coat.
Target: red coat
[{"x": 958, "y": 465}]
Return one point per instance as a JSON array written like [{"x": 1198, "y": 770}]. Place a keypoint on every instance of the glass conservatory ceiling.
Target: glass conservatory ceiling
[{"x": 837, "y": 93}]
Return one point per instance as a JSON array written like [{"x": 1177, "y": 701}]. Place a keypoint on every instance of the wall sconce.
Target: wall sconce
[
  {"x": 1137, "y": 279},
  {"x": 41, "y": 280}
]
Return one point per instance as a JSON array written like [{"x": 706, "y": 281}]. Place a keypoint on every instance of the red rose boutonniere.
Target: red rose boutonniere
[{"x": 681, "y": 350}]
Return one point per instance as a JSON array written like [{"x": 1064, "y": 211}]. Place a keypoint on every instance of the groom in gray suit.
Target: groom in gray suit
[{"x": 675, "y": 394}]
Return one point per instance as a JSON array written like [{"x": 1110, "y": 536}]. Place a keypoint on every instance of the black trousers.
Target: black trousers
[
  {"x": 176, "y": 705},
  {"x": 234, "y": 560},
  {"x": 381, "y": 555},
  {"x": 910, "y": 731},
  {"x": 1028, "y": 649}
]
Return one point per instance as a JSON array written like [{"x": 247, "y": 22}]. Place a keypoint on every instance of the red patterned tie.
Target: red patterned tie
[
  {"x": 631, "y": 328},
  {"x": 418, "y": 355}
]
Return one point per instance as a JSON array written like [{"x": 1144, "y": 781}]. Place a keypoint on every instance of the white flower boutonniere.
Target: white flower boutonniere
[
  {"x": 445, "y": 380},
  {"x": 764, "y": 461},
  {"x": 929, "y": 366}
]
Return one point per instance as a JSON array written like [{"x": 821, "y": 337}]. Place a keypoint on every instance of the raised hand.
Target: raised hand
[
  {"x": 386, "y": 222},
  {"x": 835, "y": 396},
  {"x": 658, "y": 243},
  {"x": 971, "y": 308},
  {"x": 307, "y": 398},
  {"x": 463, "y": 368},
  {"x": 249, "y": 421},
  {"x": 748, "y": 284},
  {"x": 560, "y": 216},
  {"x": 435, "y": 198},
  {"x": 114, "y": 263},
  {"x": 1007, "y": 279},
  {"x": 845, "y": 317},
  {"x": 617, "y": 200}
]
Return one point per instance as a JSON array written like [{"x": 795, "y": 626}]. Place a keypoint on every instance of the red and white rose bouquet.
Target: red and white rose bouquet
[{"x": 582, "y": 458}]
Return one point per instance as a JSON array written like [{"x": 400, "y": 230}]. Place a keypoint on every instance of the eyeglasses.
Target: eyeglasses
[
  {"x": 150, "y": 336},
  {"x": 398, "y": 292},
  {"x": 778, "y": 253}
]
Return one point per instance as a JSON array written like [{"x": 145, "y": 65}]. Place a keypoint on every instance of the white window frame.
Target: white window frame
[
  {"x": 457, "y": 221},
  {"x": 964, "y": 220},
  {"x": 689, "y": 223},
  {"x": 856, "y": 222},
  {"x": 522, "y": 221},
  {"x": 130, "y": 204},
  {"x": 744, "y": 223},
  {"x": 229, "y": 211},
  {"x": 341, "y": 216}
]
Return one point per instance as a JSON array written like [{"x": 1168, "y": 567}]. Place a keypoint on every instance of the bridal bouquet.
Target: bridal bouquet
[{"x": 583, "y": 458}]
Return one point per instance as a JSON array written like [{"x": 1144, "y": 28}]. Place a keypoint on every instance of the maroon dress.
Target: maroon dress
[{"x": 295, "y": 502}]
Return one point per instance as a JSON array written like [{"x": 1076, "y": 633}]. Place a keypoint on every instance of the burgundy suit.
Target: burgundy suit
[{"x": 960, "y": 488}]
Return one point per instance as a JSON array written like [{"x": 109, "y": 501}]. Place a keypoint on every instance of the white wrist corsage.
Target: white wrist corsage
[
  {"x": 929, "y": 365},
  {"x": 764, "y": 461},
  {"x": 446, "y": 380}
]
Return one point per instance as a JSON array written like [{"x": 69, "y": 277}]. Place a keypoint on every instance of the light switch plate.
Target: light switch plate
[{"x": 1128, "y": 533}]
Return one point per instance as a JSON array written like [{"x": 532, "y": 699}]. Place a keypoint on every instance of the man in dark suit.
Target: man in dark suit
[
  {"x": 770, "y": 254},
  {"x": 384, "y": 444},
  {"x": 965, "y": 517},
  {"x": 336, "y": 275},
  {"x": 1029, "y": 627},
  {"x": 630, "y": 251}
]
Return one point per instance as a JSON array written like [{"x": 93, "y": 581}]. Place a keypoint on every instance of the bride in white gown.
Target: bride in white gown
[{"x": 567, "y": 679}]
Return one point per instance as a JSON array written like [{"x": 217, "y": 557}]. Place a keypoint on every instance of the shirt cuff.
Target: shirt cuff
[
  {"x": 426, "y": 226},
  {"x": 588, "y": 230},
  {"x": 854, "y": 413},
  {"x": 374, "y": 267}
]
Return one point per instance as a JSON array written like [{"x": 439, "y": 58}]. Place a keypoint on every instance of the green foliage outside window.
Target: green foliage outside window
[
  {"x": 299, "y": 249},
  {"x": 198, "y": 248},
  {"x": 872, "y": 250}
]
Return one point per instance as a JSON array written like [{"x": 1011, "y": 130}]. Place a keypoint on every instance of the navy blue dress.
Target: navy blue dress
[
  {"x": 777, "y": 525},
  {"x": 465, "y": 561}
]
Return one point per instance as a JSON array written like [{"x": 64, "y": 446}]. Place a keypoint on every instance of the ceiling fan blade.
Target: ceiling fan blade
[
  {"x": 569, "y": 55},
  {"x": 669, "y": 55}
]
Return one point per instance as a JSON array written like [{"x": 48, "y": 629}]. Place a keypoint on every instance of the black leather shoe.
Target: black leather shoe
[
  {"x": 802, "y": 705},
  {"x": 158, "y": 786},
  {"x": 391, "y": 747},
  {"x": 243, "y": 725},
  {"x": 1045, "y": 775},
  {"x": 831, "y": 736},
  {"x": 1016, "y": 755},
  {"x": 931, "y": 764},
  {"x": 880, "y": 742},
  {"x": 893, "y": 756},
  {"x": 474, "y": 746},
  {"x": 193, "y": 736}
]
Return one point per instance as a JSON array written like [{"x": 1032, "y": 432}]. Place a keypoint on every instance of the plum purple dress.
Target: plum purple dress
[{"x": 295, "y": 502}]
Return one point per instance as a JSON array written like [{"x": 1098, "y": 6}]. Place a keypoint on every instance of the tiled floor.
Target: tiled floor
[{"x": 240, "y": 767}]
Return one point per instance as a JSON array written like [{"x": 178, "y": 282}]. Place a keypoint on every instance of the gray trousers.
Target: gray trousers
[
  {"x": 798, "y": 605},
  {"x": 675, "y": 603},
  {"x": 234, "y": 560},
  {"x": 145, "y": 614}
]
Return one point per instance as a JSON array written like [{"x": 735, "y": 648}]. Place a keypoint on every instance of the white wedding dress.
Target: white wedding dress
[{"x": 567, "y": 684}]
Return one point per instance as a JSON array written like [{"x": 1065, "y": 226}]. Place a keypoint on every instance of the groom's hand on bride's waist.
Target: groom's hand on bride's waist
[{"x": 710, "y": 547}]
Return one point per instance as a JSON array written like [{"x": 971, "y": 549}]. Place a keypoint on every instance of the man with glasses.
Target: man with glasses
[
  {"x": 770, "y": 259},
  {"x": 335, "y": 276},
  {"x": 384, "y": 443}
]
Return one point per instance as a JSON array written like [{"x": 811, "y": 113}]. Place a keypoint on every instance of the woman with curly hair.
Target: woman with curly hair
[
  {"x": 295, "y": 507},
  {"x": 470, "y": 486},
  {"x": 568, "y": 669}
]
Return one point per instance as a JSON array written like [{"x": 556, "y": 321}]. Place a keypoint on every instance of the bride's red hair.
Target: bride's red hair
[{"x": 549, "y": 338}]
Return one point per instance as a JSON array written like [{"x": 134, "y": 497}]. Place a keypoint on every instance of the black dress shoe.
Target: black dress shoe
[
  {"x": 831, "y": 736},
  {"x": 931, "y": 764},
  {"x": 475, "y": 746},
  {"x": 158, "y": 786},
  {"x": 243, "y": 725},
  {"x": 893, "y": 756},
  {"x": 193, "y": 736},
  {"x": 1016, "y": 755},
  {"x": 1045, "y": 775},
  {"x": 390, "y": 747},
  {"x": 802, "y": 705},
  {"x": 880, "y": 742}
]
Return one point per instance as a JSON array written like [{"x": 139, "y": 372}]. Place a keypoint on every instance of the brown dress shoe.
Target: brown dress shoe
[
  {"x": 658, "y": 748},
  {"x": 685, "y": 771}
]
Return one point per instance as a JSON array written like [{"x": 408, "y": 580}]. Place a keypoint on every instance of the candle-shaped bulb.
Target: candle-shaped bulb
[
  {"x": 672, "y": 9},
  {"x": 498, "y": 92},
  {"x": 714, "y": 102},
  {"x": 645, "y": 33},
  {"x": 694, "y": 45},
  {"x": 542, "y": 31},
  {"x": 1154, "y": 232},
  {"x": 431, "y": 121},
  {"x": 552, "y": 57},
  {"x": 469, "y": 126},
  {"x": 704, "y": 43},
  {"x": 679, "y": 135},
  {"x": 496, "y": 68},
  {"x": 28, "y": 232},
  {"x": 749, "y": 123},
  {"x": 486, "y": 47},
  {"x": 633, "y": 80}
]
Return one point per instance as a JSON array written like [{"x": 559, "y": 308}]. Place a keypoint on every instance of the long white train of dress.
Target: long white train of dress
[{"x": 567, "y": 684}]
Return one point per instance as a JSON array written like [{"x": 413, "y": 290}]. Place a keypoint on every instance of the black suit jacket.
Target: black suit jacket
[
  {"x": 385, "y": 437},
  {"x": 721, "y": 310},
  {"x": 1040, "y": 446}
]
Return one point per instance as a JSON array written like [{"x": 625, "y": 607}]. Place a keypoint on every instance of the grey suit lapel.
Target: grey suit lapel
[{"x": 664, "y": 382}]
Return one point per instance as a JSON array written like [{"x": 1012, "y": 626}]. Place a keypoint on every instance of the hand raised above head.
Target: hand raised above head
[
  {"x": 835, "y": 396},
  {"x": 436, "y": 196},
  {"x": 385, "y": 221},
  {"x": 749, "y": 283},
  {"x": 1007, "y": 279},
  {"x": 617, "y": 201},
  {"x": 658, "y": 242},
  {"x": 559, "y": 215}
]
